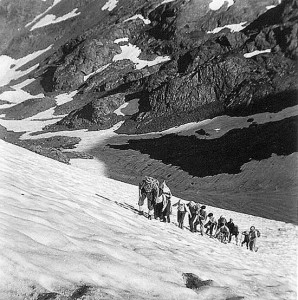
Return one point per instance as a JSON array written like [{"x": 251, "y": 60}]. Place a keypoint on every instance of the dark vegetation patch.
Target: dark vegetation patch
[
  {"x": 193, "y": 282},
  {"x": 75, "y": 154},
  {"x": 28, "y": 108},
  {"x": 47, "y": 296},
  {"x": 79, "y": 292},
  {"x": 226, "y": 154}
]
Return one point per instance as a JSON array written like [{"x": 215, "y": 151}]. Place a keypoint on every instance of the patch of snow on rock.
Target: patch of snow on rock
[
  {"x": 217, "y": 4},
  {"x": 110, "y": 5},
  {"x": 9, "y": 66},
  {"x": 256, "y": 52},
  {"x": 117, "y": 41},
  {"x": 132, "y": 52},
  {"x": 128, "y": 108},
  {"x": 270, "y": 7},
  {"x": 167, "y": 1},
  {"x": 146, "y": 21},
  {"x": 23, "y": 84},
  {"x": 232, "y": 27},
  {"x": 96, "y": 72},
  {"x": 52, "y": 19},
  {"x": 42, "y": 14},
  {"x": 65, "y": 97},
  {"x": 18, "y": 96}
]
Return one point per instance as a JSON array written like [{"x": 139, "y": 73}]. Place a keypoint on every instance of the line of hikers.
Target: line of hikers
[{"x": 160, "y": 207}]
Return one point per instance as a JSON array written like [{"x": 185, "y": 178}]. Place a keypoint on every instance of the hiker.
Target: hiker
[
  {"x": 246, "y": 238},
  {"x": 182, "y": 209},
  {"x": 223, "y": 233},
  {"x": 201, "y": 219},
  {"x": 158, "y": 206},
  {"x": 166, "y": 202},
  {"x": 194, "y": 211},
  {"x": 234, "y": 231},
  {"x": 211, "y": 224},
  {"x": 221, "y": 221},
  {"x": 252, "y": 238},
  {"x": 148, "y": 188}
]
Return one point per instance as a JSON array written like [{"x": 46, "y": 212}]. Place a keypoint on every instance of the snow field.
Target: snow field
[
  {"x": 132, "y": 53},
  {"x": 110, "y": 5},
  {"x": 52, "y": 19},
  {"x": 217, "y": 4},
  {"x": 56, "y": 233},
  {"x": 42, "y": 14},
  {"x": 146, "y": 21},
  {"x": 128, "y": 108},
  {"x": 10, "y": 67},
  {"x": 232, "y": 27},
  {"x": 256, "y": 52},
  {"x": 220, "y": 125}
]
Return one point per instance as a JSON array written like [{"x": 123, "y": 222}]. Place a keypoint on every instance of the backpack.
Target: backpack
[
  {"x": 150, "y": 184},
  {"x": 181, "y": 207}
]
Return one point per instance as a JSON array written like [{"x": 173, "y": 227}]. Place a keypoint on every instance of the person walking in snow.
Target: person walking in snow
[
  {"x": 221, "y": 221},
  {"x": 201, "y": 219},
  {"x": 234, "y": 231},
  {"x": 158, "y": 206},
  {"x": 245, "y": 239},
  {"x": 211, "y": 224},
  {"x": 252, "y": 238},
  {"x": 223, "y": 233},
  {"x": 194, "y": 211},
  {"x": 148, "y": 188},
  {"x": 166, "y": 202},
  {"x": 182, "y": 209}
]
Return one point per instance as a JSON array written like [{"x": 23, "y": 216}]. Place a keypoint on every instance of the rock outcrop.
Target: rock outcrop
[{"x": 209, "y": 73}]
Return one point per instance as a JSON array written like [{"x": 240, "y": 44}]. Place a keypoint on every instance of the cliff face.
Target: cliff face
[{"x": 209, "y": 71}]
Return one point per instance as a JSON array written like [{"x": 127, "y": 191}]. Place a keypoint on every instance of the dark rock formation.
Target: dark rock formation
[
  {"x": 28, "y": 108},
  {"x": 193, "y": 282},
  {"x": 227, "y": 154},
  {"x": 50, "y": 152},
  {"x": 208, "y": 75}
]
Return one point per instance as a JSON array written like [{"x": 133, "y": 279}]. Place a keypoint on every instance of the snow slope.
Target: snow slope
[{"x": 56, "y": 234}]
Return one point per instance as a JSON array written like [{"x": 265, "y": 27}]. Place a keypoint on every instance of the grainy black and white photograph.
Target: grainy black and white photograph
[{"x": 148, "y": 149}]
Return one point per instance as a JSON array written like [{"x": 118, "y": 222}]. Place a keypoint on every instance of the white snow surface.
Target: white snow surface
[
  {"x": 270, "y": 6},
  {"x": 217, "y": 4},
  {"x": 10, "y": 66},
  {"x": 110, "y": 5},
  {"x": 65, "y": 97},
  {"x": 132, "y": 52},
  {"x": 167, "y": 1},
  {"x": 62, "y": 227},
  {"x": 42, "y": 14},
  {"x": 18, "y": 96},
  {"x": 23, "y": 84},
  {"x": 256, "y": 52},
  {"x": 146, "y": 21},
  {"x": 52, "y": 19},
  {"x": 120, "y": 40},
  {"x": 232, "y": 27},
  {"x": 128, "y": 108}
]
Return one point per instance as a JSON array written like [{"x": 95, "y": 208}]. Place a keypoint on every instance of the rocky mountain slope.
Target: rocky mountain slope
[{"x": 147, "y": 66}]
